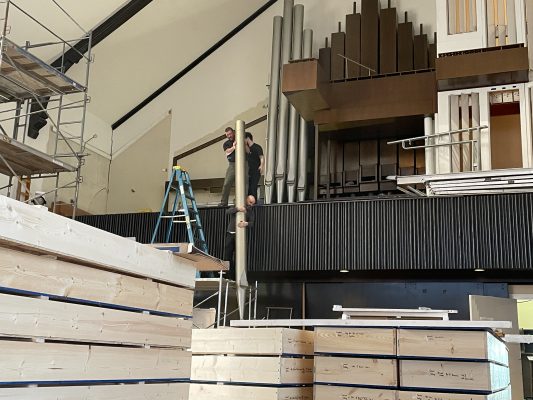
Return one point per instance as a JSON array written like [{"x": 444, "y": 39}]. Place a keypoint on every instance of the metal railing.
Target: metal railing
[{"x": 429, "y": 142}]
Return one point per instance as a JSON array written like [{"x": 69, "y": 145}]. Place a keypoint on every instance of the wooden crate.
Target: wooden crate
[
  {"x": 24, "y": 362},
  {"x": 25, "y": 317},
  {"x": 446, "y": 344},
  {"x": 453, "y": 375},
  {"x": 324, "y": 392},
  {"x": 255, "y": 370},
  {"x": 501, "y": 395},
  {"x": 260, "y": 341},
  {"x": 233, "y": 392},
  {"x": 163, "y": 391},
  {"x": 356, "y": 371},
  {"x": 35, "y": 229},
  {"x": 49, "y": 276},
  {"x": 360, "y": 341}
]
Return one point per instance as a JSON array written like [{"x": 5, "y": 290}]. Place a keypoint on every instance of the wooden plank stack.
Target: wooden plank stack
[
  {"x": 242, "y": 363},
  {"x": 88, "y": 315},
  {"x": 409, "y": 364}
]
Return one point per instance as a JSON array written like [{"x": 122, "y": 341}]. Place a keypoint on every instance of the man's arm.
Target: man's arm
[
  {"x": 250, "y": 222},
  {"x": 229, "y": 150},
  {"x": 234, "y": 210},
  {"x": 262, "y": 165}
]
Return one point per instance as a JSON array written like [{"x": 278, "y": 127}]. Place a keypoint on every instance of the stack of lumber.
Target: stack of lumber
[
  {"x": 409, "y": 364},
  {"x": 88, "y": 315},
  {"x": 259, "y": 364}
]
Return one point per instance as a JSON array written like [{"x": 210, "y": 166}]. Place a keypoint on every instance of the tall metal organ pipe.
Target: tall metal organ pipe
[
  {"x": 302, "y": 152},
  {"x": 294, "y": 119},
  {"x": 283, "y": 118},
  {"x": 273, "y": 102},
  {"x": 240, "y": 234}
]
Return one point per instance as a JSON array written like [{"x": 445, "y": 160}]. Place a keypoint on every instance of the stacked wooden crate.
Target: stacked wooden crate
[
  {"x": 88, "y": 315},
  {"x": 259, "y": 364},
  {"x": 409, "y": 364}
]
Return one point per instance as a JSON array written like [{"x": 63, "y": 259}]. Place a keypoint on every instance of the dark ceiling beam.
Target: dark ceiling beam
[
  {"x": 194, "y": 64},
  {"x": 102, "y": 31},
  {"x": 74, "y": 55}
]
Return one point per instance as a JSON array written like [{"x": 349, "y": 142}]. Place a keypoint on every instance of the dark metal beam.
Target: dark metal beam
[{"x": 194, "y": 64}]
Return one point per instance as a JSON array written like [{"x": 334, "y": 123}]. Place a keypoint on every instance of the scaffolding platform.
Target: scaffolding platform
[
  {"x": 23, "y": 76},
  {"x": 25, "y": 160}
]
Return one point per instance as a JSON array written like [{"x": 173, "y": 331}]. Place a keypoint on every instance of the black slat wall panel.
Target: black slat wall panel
[{"x": 440, "y": 233}]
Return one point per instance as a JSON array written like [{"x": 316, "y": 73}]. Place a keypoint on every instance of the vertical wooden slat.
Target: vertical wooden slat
[
  {"x": 337, "y": 62},
  {"x": 476, "y": 121},
  {"x": 370, "y": 35},
  {"x": 324, "y": 59},
  {"x": 432, "y": 52},
  {"x": 454, "y": 125},
  {"x": 405, "y": 47},
  {"x": 491, "y": 23},
  {"x": 452, "y": 14},
  {"x": 421, "y": 52},
  {"x": 462, "y": 16},
  {"x": 465, "y": 123},
  {"x": 511, "y": 22},
  {"x": 388, "y": 50},
  {"x": 473, "y": 15},
  {"x": 353, "y": 44},
  {"x": 502, "y": 26}
]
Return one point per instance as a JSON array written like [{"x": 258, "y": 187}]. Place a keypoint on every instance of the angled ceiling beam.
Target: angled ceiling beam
[
  {"x": 194, "y": 64},
  {"x": 74, "y": 55},
  {"x": 102, "y": 31}
]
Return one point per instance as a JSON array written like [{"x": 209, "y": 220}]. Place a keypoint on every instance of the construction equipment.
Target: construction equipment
[{"x": 184, "y": 210}]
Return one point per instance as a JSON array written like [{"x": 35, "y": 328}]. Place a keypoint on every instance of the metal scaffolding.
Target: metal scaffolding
[{"x": 30, "y": 87}]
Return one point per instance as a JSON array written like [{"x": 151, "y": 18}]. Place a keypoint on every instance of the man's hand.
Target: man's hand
[
  {"x": 260, "y": 169},
  {"x": 241, "y": 209},
  {"x": 242, "y": 224}
]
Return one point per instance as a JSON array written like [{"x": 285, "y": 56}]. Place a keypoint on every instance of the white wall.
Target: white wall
[{"x": 138, "y": 175}]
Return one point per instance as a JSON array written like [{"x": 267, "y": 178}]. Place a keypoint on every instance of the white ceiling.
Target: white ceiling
[
  {"x": 155, "y": 45},
  {"x": 87, "y": 13}
]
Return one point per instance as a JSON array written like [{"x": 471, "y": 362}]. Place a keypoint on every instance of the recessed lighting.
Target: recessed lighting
[
  {"x": 344, "y": 271},
  {"x": 479, "y": 270}
]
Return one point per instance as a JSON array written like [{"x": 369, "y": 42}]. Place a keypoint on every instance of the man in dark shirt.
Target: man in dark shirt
[
  {"x": 256, "y": 163},
  {"x": 229, "y": 248},
  {"x": 229, "y": 181}
]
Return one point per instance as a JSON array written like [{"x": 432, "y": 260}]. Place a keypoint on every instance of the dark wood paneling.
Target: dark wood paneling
[
  {"x": 405, "y": 47},
  {"x": 388, "y": 41},
  {"x": 379, "y": 99},
  {"x": 421, "y": 52},
  {"x": 370, "y": 34},
  {"x": 324, "y": 60},
  {"x": 353, "y": 44},
  {"x": 483, "y": 63},
  {"x": 484, "y": 68},
  {"x": 337, "y": 62}
]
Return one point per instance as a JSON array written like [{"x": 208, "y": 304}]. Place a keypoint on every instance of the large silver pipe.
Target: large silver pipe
[
  {"x": 283, "y": 119},
  {"x": 273, "y": 102},
  {"x": 304, "y": 133},
  {"x": 429, "y": 129},
  {"x": 240, "y": 198},
  {"x": 294, "y": 118}
]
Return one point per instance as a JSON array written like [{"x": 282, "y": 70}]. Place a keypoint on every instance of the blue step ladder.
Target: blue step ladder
[{"x": 184, "y": 210}]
